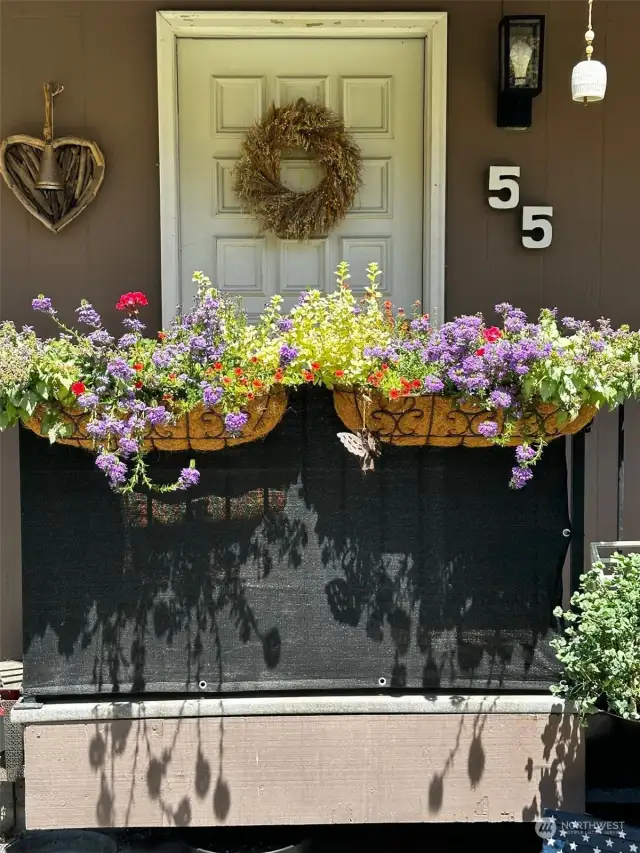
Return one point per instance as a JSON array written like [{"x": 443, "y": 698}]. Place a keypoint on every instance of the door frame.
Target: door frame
[{"x": 429, "y": 26}]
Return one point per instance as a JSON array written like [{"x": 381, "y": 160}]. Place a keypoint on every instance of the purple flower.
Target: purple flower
[
  {"x": 571, "y": 323},
  {"x": 156, "y": 415},
  {"x": 420, "y": 324},
  {"x": 515, "y": 320},
  {"x": 304, "y": 295},
  {"x": 128, "y": 446},
  {"x": 597, "y": 345},
  {"x": 133, "y": 324},
  {"x": 211, "y": 396},
  {"x": 163, "y": 357},
  {"x": 356, "y": 310},
  {"x": 500, "y": 398},
  {"x": 188, "y": 477},
  {"x": 488, "y": 429},
  {"x": 120, "y": 369},
  {"x": 520, "y": 477},
  {"x": 43, "y": 303},
  {"x": 88, "y": 315},
  {"x": 100, "y": 337},
  {"x": 287, "y": 355},
  {"x": 114, "y": 468},
  {"x": 199, "y": 342},
  {"x": 96, "y": 429},
  {"x": 88, "y": 400},
  {"x": 433, "y": 385},
  {"x": 128, "y": 340},
  {"x": 525, "y": 453},
  {"x": 235, "y": 421},
  {"x": 285, "y": 324}
]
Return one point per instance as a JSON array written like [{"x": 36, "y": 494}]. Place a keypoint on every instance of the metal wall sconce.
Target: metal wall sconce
[{"x": 521, "y": 60}]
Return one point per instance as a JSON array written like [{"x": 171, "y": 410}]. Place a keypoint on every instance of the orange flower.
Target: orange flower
[
  {"x": 172, "y": 376},
  {"x": 315, "y": 365},
  {"x": 138, "y": 366},
  {"x": 387, "y": 305},
  {"x": 339, "y": 373},
  {"x": 254, "y": 359},
  {"x": 394, "y": 393},
  {"x": 278, "y": 375},
  {"x": 379, "y": 374},
  {"x": 209, "y": 371},
  {"x": 244, "y": 381},
  {"x": 226, "y": 380},
  {"x": 237, "y": 371},
  {"x": 384, "y": 367},
  {"x": 257, "y": 383},
  {"x": 308, "y": 376},
  {"x": 167, "y": 397},
  {"x": 162, "y": 335},
  {"x": 250, "y": 395}
]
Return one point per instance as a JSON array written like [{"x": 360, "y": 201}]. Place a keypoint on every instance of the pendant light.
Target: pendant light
[{"x": 589, "y": 78}]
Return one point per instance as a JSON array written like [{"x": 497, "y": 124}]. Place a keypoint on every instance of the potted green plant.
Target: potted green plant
[{"x": 600, "y": 649}]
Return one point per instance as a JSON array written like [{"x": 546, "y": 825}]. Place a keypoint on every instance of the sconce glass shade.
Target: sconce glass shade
[
  {"x": 521, "y": 53},
  {"x": 589, "y": 81}
]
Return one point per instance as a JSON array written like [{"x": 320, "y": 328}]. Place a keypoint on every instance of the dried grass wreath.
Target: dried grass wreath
[{"x": 290, "y": 214}]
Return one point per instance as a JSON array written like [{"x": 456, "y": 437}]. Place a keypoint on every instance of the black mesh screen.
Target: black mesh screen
[{"x": 288, "y": 569}]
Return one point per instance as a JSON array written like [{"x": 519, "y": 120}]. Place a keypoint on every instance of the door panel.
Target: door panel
[{"x": 225, "y": 85}]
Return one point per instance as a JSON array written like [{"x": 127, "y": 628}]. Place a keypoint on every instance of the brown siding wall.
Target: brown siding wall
[
  {"x": 303, "y": 770},
  {"x": 582, "y": 161}
]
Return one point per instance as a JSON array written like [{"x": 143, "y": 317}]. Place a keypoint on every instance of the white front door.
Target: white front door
[{"x": 376, "y": 85}]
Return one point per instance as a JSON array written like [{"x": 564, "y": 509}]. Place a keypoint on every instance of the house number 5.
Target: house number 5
[{"x": 537, "y": 229}]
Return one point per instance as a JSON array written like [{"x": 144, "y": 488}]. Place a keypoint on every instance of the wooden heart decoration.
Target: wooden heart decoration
[
  {"x": 75, "y": 165},
  {"x": 82, "y": 166}
]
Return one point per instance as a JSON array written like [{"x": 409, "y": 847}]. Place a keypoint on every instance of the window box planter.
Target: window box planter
[
  {"x": 443, "y": 421},
  {"x": 201, "y": 429}
]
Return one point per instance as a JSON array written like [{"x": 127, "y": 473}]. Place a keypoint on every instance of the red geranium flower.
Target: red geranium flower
[
  {"x": 130, "y": 301},
  {"x": 416, "y": 383},
  {"x": 162, "y": 335},
  {"x": 339, "y": 373},
  {"x": 278, "y": 375},
  {"x": 78, "y": 388},
  {"x": 308, "y": 376},
  {"x": 250, "y": 395},
  {"x": 172, "y": 376},
  {"x": 394, "y": 393},
  {"x": 492, "y": 334},
  {"x": 237, "y": 371},
  {"x": 226, "y": 380},
  {"x": 257, "y": 383},
  {"x": 138, "y": 366},
  {"x": 254, "y": 359},
  {"x": 218, "y": 365},
  {"x": 480, "y": 351},
  {"x": 315, "y": 365},
  {"x": 384, "y": 367},
  {"x": 138, "y": 384},
  {"x": 387, "y": 305}
]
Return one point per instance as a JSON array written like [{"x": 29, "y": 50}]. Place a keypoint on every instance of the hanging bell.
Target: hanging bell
[{"x": 49, "y": 174}]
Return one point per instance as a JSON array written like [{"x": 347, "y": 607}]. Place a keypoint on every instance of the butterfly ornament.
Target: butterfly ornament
[{"x": 363, "y": 444}]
